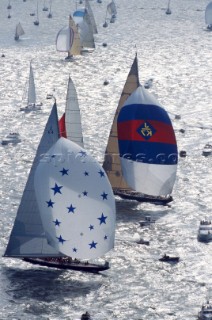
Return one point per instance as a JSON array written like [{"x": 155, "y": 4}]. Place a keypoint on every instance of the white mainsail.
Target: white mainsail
[
  {"x": 208, "y": 15},
  {"x": 31, "y": 88},
  {"x": 72, "y": 116},
  {"x": 76, "y": 202},
  {"x": 28, "y": 238},
  {"x": 19, "y": 31},
  {"x": 86, "y": 32},
  {"x": 111, "y": 8}
]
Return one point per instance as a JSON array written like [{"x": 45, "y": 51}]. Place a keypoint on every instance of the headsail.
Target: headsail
[
  {"x": 208, "y": 15},
  {"x": 76, "y": 46},
  {"x": 111, "y": 163},
  {"x": 64, "y": 39},
  {"x": 147, "y": 145},
  {"x": 27, "y": 238},
  {"x": 111, "y": 8},
  {"x": 76, "y": 202}
]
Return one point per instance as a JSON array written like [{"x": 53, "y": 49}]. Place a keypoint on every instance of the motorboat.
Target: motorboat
[
  {"x": 142, "y": 241},
  {"x": 206, "y": 312},
  {"x": 86, "y": 316},
  {"x": 205, "y": 231},
  {"x": 167, "y": 258},
  {"x": 31, "y": 107},
  {"x": 207, "y": 151},
  {"x": 146, "y": 221},
  {"x": 12, "y": 137}
]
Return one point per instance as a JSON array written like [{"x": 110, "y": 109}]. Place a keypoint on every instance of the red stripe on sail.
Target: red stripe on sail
[
  {"x": 163, "y": 133},
  {"x": 62, "y": 126}
]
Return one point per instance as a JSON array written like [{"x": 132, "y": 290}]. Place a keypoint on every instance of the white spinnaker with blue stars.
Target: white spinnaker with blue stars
[{"x": 76, "y": 202}]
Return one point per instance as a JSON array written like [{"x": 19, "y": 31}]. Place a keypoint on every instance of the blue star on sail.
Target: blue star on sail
[
  {"x": 64, "y": 171},
  {"x": 93, "y": 244},
  {"x": 71, "y": 208},
  {"x": 60, "y": 239},
  {"x": 56, "y": 189},
  {"x": 102, "y": 174},
  {"x": 57, "y": 223},
  {"x": 102, "y": 219},
  {"x": 85, "y": 193},
  {"x": 50, "y": 203},
  {"x": 91, "y": 227},
  {"x": 104, "y": 196}
]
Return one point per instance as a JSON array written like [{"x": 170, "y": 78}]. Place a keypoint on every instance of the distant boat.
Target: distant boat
[
  {"x": 205, "y": 231},
  {"x": 206, "y": 311},
  {"x": 12, "y": 138},
  {"x": 50, "y": 10},
  {"x": 19, "y": 31},
  {"x": 132, "y": 175},
  {"x": 207, "y": 150},
  {"x": 168, "y": 10},
  {"x": 79, "y": 200},
  {"x": 45, "y": 8},
  {"x": 9, "y": 5},
  {"x": 146, "y": 221},
  {"x": 112, "y": 11},
  {"x": 70, "y": 123},
  {"x": 84, "y": 23},
  {"x": 148, "y": 83},
  {"x": 31, "y": 97},
  {"x": 68, "y": 40},
  {"x": 208, "y": 16},
  {"x": 167, "y": 258},
  {"x": 36, "y": 22}
]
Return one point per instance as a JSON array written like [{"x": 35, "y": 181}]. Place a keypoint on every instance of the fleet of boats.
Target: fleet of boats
[{"x": 140, "y": 163}]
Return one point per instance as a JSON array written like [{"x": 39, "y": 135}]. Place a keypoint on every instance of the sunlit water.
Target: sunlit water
[{"x": 175, "y": 50}]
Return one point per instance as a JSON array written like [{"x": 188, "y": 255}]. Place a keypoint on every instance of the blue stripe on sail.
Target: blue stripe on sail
[
  {"x": 158, "y": 153},
  {"x": 143, "y": 112}
]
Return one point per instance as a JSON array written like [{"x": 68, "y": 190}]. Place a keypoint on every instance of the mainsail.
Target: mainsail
[
  {"x": 208, "y": 15},
  {"x": 82, "y": 19},
  {"x": 31, "y": 88},
  {"x": 76, "y": 202},
  {"x": 111, "y": 163},
  {"x": 147, "y": 145},
  {"x": 111, "y": 8},
  {"x": 91, "y": 15},
  {"x": 28, "y": 238},
  {"x": 70, "y": 123}
]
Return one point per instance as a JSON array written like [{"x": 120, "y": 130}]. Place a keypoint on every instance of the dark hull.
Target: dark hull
[
  {"x": 77, "y": 266},
  {"x": 169, "y": 259},
  {"x": 140, "y": 197}
]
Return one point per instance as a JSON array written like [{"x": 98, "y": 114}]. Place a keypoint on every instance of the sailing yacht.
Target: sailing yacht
[
  {"x": 72, "y": 187},
  {"x": 36, "y": 22},
  {"x": 31, "y": 97},
  {"x": 168, "y": 10},
  {"x": 68, "y": 40},
  {"x": 208, "y": 16},
  {"x": 129, "y": 149},
  {"x": 50, "y": 10},
  {"x": 19, "y": 31}
]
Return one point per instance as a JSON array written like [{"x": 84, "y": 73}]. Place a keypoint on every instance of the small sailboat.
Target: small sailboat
[
  {"x": 208, "y": 16},
  {"x": 168, "y": 10},
  {"x": 205, "y": 231},
  {"x": 9, "y": 5},
  {"x": 36, "y": 22},
  {"x": 73, "y": 188},
  {"x": 83, "y": 21},
  {"x": 132, "y": 175},
  {"x": 70, "y": 123},
  {"x": 31, "y": 97},
  {"x": 68, "y": 40},
  {"x": 206, "y": 311},
  {"x": 45, "y": 8},
  {"x": 19, "y": 31},
  {"x": 50, "y": 10}
]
